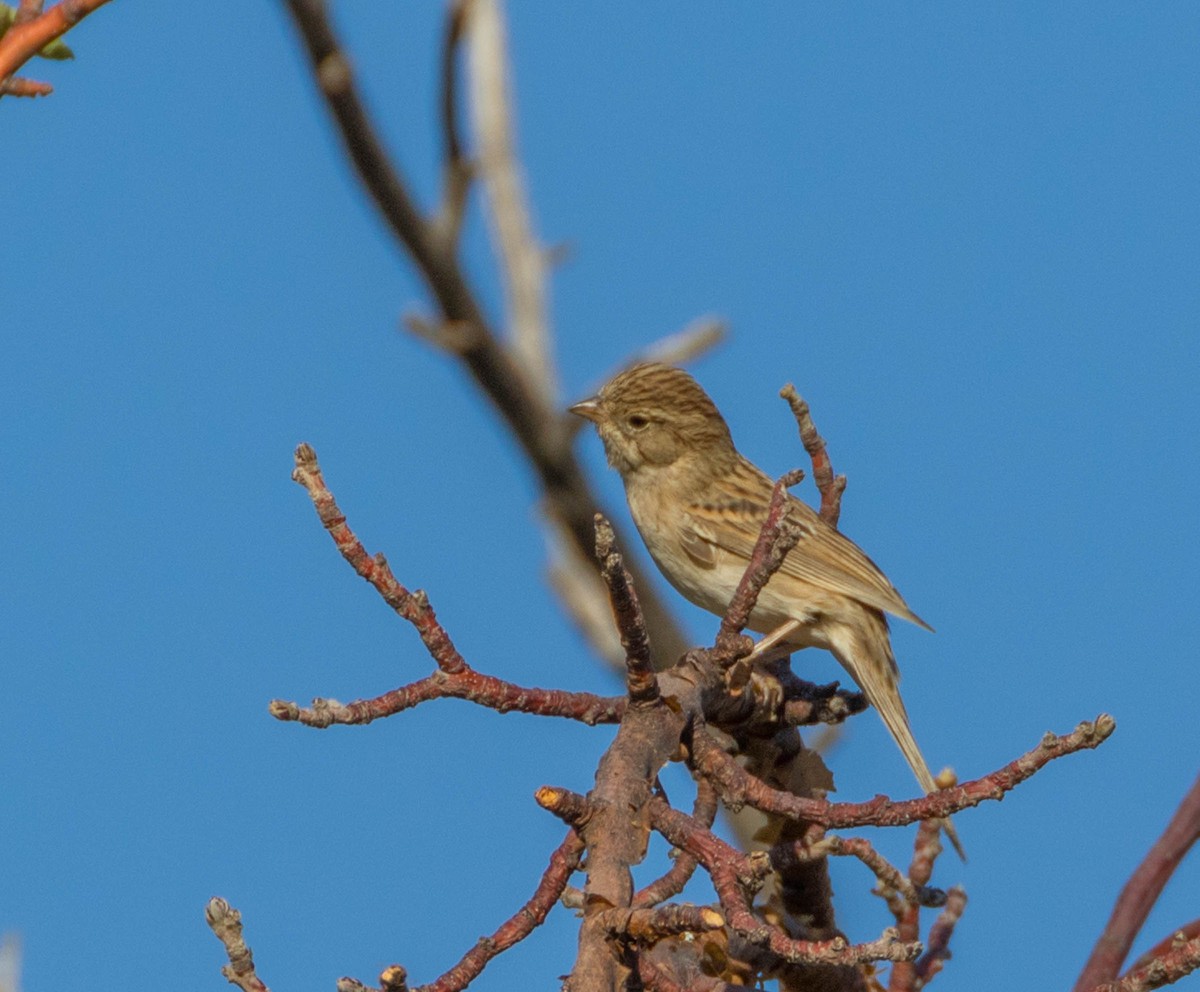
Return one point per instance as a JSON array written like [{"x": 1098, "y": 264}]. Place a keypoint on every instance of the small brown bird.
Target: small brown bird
[{"x": 699, "y": 506}]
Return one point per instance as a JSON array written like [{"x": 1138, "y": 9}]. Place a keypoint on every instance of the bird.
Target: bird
[{"x": 699, "y": 506}]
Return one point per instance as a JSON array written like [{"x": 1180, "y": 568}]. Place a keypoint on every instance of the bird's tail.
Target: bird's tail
[{"x": 866, "y": 653}]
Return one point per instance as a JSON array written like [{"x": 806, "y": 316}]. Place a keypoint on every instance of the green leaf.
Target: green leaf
[{"x": 57, "y": 50}]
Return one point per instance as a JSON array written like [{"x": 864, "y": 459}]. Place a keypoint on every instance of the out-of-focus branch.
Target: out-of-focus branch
[
  {"x": 522, "y": 260},
  {"x": 457, "y": 169},
  {"x": 469, "y": 337},
  {"x": 31, "y": 31},
  {"x": 1141, "y": 892}
]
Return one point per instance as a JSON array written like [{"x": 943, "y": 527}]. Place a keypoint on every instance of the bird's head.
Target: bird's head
[{"x": 653, "y": 415}]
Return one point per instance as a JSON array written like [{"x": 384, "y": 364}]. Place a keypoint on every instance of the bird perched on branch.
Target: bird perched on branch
[{"x": 699, "y": 506}]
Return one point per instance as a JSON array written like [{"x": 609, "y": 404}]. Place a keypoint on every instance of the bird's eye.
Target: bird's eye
[{"x": 637, "y": 421}]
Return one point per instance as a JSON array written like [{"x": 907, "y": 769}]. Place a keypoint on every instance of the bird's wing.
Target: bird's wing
[{"x": 822, "y": 556}]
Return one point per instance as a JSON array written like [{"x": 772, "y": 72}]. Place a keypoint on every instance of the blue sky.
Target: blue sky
[{"x": 968, "y": 236}]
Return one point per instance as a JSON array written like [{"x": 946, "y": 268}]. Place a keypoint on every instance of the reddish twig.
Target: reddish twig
[
  {"x": 890, "y": 877},
  {"x": 563, "y": 862},
  {"x": 31, "y": 32},
  {"x": 775, "y": 540},
  {"x": 226, "y": 923},
  {"x": 1181, "y": 958},
  {"x": 704, "y": 810},
  {"x": 1141, "y": 892},
  {"x": 736, "y": 785},
  {"x": 20, "y": 86},
  {"x": 412, "y": 606},
  {"x": 733, "y": 873},
  {"x": 27, "y": 10},
  {"x": 1189, "y": 931},
  {"x": 468, "y": 684},
  {"x": 830, "y": 486},
  {"x": 640, "y": 680},
  {"x": 926, "y": 848},
  {"x": 937, "y": 945}
]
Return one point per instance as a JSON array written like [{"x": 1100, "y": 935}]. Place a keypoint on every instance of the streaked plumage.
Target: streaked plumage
[{"x": 699, "y": 506}]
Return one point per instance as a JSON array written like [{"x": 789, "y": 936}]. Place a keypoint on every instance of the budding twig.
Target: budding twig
[{"x": 830, "y": 486}]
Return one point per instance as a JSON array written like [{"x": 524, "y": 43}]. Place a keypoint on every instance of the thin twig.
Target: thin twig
[
  {"x": 226, "y": 923},
  {"x": 830, "y": 486},
  {"x": 926, "y": 847},
  {"x": 937, "y": 945},
  {"x": 736, "y": 785},
  {"x": 704, "y": 811},
  {"x": 639, "y": 672},
  {"x": 31, "y": 32},
  {"x": 1182, "y": 959},
  {"x": 412, "y": 606},
  {"x": 1141, "y": 892},
  {"x": 468, "y": 684},
  {"x": 731, "y": 873},
  {"x": 775, "y": 540},
  {"x": 563, "y": 862}
]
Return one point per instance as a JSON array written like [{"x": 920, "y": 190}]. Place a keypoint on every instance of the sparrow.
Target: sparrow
[{"x": 699, "y": 506}]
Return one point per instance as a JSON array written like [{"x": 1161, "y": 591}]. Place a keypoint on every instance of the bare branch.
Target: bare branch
[
  {"x": 226, "y": 923},
  {"x": 538, "y": 429},
  {"x": 937, "y": 949},
  {"x": 775, "y": 540},
  {"x": 1182, "y": 958},
  {"x": 522, "y": 261},
  {"x": 736, "y": 785},
  {"x": 1141, "y": 892},
  {"x": 563, "y": 862},
  {"x": 704, "y": 811},
  {"x": 582, "y": 593},
  {"x": 926, "y": 848},
  {"x": 830, "y": 486},
  {"x": 732, "y": 872},
  {"x": 468, "y": 684},
  {"x": 639, "y": 673},
  {"x": 30, "y": 32},
  {"x": 413, "y": 607}
]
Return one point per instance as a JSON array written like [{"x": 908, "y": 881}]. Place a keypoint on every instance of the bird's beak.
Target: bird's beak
[{"x": 589, "y": 409}]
